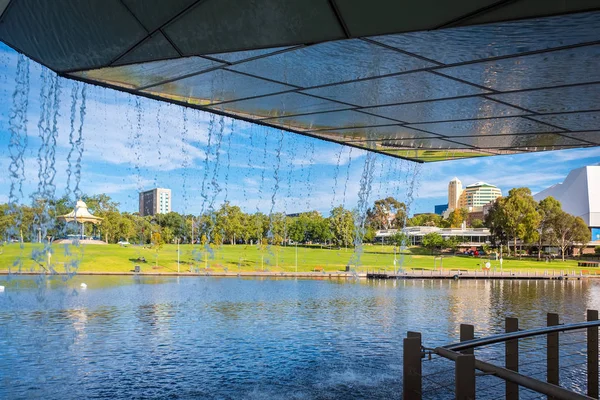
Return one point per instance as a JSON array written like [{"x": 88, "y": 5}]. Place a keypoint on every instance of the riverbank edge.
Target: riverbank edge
[{"x": 319, "y": 275}]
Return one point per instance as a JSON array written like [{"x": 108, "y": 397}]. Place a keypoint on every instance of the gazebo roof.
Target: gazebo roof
[{"x": 80, "y": 214}]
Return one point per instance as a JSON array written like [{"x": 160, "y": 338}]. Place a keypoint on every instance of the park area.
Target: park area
[{"x": 250, "y": 258}]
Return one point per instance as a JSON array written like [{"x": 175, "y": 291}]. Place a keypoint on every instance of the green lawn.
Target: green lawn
[{"x": 240, "y": 258}]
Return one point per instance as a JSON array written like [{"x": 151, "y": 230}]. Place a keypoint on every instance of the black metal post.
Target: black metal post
[
  {"x": 552, "y": 360},
  {"x": 467, "y": 332},
  {"x": 511, "y": 353},
  {"x": 465, "y": 377},
  {"x": 592, "y": 355},
  {"x": 412, "y": 368}
]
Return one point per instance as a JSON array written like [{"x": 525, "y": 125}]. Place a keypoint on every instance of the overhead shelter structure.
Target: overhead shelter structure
[{"x": 427, "y": 81}]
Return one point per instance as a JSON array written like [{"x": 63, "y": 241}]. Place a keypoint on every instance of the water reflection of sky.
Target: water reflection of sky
[{"x": 206, "y": 337}]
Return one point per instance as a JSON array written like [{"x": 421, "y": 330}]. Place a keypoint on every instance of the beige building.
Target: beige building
[
  {"x": 454, "y": 191},
  {"x": 475, "y": 196},
  {"x": 155, "y": 201}
]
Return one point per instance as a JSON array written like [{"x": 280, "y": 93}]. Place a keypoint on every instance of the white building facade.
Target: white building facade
[{"x": 579, "y": 195}]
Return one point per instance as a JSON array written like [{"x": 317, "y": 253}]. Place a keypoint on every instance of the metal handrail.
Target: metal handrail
[
  {"x": 469, "y": 344},
  {"x": 522, "y": 380}
]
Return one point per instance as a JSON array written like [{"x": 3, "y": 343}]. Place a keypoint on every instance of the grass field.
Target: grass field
[{"x": 240, "y": 258}]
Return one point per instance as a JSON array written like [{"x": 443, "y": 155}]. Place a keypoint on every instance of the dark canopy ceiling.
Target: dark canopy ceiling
[{"x": 429, "y": 80}]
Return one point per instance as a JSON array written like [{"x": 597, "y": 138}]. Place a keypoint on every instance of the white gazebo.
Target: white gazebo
[{"x": 81, "y": 215}]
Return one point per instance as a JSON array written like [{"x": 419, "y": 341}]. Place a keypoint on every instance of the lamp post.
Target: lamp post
[
  {"x": 296, "y": 257},
  {"x": 178, "y": 255}
]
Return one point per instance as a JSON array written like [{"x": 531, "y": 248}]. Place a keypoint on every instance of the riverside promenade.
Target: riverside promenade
[{"x": 374, "y": 274}]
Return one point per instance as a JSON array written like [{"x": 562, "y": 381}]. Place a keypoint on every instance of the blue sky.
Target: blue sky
[{"x": 121, "y": 158}]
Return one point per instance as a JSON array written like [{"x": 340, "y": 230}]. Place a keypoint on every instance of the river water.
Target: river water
[{"x": 231, "y": 338}]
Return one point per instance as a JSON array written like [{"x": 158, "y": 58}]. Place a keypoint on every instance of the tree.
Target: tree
[
  {"x": 476, "y": 223},
  {"x": 110, "y": 226},
  {"x": 229, "y": 221},
  {"x": 457, "y": 217},
  {"x": 157, "y": 243},
  {"x": 433, "y": 241},
  {"x": 452, "y": 242},
  {"x": 6, "y": 221},
  {"x": 126, "y": 227},
  {"x": 341, "y": 225},
  {"x": 297, "y": 230},
  {"x": 495, "y": 221},
  {"x": 521, "y": 216},
  {"x": 429, "y": 219},
  {"x": 369, "y": 236},
  {"x": 167, "y": 234},
  {"x": 386, "y": 214},
  {"x": 549, "y": 209},
  {"x": 570, "y": 230},
  {"x": 100, "y": 203},
  {"x": 399, "y": 239}
]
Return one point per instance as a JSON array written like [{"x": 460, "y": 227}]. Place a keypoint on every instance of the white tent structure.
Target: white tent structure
[
  {"x": 579, "y": 194},
  {"x": 81, "y": 214}
]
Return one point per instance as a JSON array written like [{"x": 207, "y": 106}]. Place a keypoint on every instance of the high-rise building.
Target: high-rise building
[
  {"x": 155, "y": 201},
  {"x": 454, "y": 192},
  {"x": 440, "y": 208},
  {"x": 475, "y": 196}
]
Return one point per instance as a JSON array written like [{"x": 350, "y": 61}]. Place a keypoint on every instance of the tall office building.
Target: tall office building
[
  {"x": 475, "y": 196},
  {"x": 155, "y": 201},
  {"x": 454, "y": 192}
]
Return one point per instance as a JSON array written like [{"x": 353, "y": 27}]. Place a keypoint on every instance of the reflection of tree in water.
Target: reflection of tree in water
[{"x": 157, "y": 317}]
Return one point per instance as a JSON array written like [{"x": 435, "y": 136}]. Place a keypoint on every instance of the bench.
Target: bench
[
  {"x": 593, "y": 264},
  {"x": 318, "y": 269}
]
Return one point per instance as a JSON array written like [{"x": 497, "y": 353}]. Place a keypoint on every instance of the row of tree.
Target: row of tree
[
  {"x": 519, "y": 218},
  {"x": 227, "y": 224}
]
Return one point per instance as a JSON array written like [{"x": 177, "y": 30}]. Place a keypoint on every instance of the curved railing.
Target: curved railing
[{"x": 482, "y": 369}]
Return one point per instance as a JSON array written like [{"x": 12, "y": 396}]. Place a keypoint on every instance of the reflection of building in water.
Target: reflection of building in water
[{"x": 469, "y": 302}]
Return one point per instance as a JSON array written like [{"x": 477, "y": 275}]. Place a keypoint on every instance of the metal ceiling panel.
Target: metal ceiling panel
[
  {"x": 234, "y": 25},
  {"x": 583, "y": 121},
  {"x": 527, "y": 141},
  {"x": 561, "y": 67},
  {"x": 64, "y": 37},
  {"x": 367, "y": 18},
  {"x": 154, "y": 13},
  {"x": 464, "y": 44},
  {"x": 448, "y": 91},
  {"x": 238, "y": 56},
  {"x": 447, "y": 110},
  {"x": 336, "y": 119},
  {"x": 280, "y": 105},
  {"x": 485, "y": 127},
  {"x": 391, "y": 132},
  {"x": 215, "y": 87},
  {"x": 142, "y": 75},
  {"x": 592, "y": 137},
  {"x": 155, "y": 47},
  {"x": 405, "y": 88},
  {"x": 555, "y": 100},
  {"x": 332, "y": 62}
]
